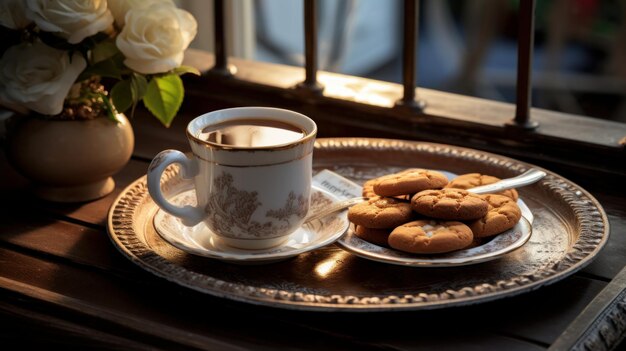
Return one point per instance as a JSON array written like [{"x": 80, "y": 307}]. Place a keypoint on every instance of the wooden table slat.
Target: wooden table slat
[
  {"x": 505, "y": 317},
  {"x": 92, "y": 212},
  {"x": 160, "y": 309},
  {"x": 65, "y": 240}
]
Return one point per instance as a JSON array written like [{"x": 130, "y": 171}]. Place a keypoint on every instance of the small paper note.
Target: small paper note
[{"x": 337, "y": 185}]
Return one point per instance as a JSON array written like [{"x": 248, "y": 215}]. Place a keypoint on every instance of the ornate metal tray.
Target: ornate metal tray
[{"x": 569, "y": 229}]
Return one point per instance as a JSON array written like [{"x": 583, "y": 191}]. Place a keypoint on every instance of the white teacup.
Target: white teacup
[{"x": 251, "y": 168}]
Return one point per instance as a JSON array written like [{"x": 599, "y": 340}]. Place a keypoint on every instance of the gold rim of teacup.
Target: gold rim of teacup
[
  {"x": 278, "y": 147},
  {"x": 259, "y": 165},
  {"x": 310, "y": 136}
]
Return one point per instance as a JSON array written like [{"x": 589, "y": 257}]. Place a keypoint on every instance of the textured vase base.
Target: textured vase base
[{"x": 79, "y": 193}]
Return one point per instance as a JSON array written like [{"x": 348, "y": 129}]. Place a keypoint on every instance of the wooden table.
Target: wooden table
[{"x": 63, "y": 283}]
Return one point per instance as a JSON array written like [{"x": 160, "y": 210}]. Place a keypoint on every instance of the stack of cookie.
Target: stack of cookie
[{"x": 419, "y": 211}]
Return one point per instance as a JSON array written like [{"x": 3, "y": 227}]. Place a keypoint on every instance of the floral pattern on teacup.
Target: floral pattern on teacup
[{"x": 230, "y": 210}]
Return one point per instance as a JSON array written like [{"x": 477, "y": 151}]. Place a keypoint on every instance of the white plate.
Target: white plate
[
  {"x": 199, "y": 240},
  {"x": 501, "y": 244}
]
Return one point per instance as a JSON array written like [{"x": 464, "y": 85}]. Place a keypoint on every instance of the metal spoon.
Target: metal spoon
[{"x": 529, "y": 177}]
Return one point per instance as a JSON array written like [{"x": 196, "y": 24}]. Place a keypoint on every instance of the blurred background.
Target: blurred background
[{"x": 466, "y": 47}]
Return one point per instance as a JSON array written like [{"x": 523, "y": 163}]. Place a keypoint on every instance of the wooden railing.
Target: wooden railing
[{"x": 350, "y": 106}]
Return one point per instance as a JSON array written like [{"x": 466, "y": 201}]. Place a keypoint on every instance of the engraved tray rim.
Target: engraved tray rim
[{"x": 593, "y": 230}]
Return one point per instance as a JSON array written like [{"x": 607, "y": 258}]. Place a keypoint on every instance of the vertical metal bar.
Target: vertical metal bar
[
  {"x": 409, "y": 46},
  {"x": 310, "y": 41},
  {"x": 220, "y": 38},
  {"x": 310, "y": 47},
  {"x": 525, "y": 40},
  {"x": 221, "y": 58}
]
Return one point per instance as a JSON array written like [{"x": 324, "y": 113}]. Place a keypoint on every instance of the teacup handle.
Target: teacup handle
[{"x": 189, "y": 215}]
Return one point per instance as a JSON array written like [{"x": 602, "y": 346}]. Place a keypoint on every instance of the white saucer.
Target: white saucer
[{"x": 200, "y": 241}]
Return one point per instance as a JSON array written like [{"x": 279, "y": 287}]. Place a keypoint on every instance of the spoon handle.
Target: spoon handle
[{"x": 531, "y": 176}]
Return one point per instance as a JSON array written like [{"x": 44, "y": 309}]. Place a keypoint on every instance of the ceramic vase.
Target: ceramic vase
[{"x": 69, "y": 160}]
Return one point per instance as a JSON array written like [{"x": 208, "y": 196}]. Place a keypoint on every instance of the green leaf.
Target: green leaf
[
  {"x": 138, "y": 86},
  {"x": 111, "y": 68},
  {"x": 104, "y": 50},
  {"x": 122, "y": 96},
  {"x": 98, "y": 37},
  {"x": 129, "y": 92},
  {"x": 186, "y": 69},
  {"x": 164, "y": 97}
]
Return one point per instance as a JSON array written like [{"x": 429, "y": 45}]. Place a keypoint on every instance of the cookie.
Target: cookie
[
  {"x": 430, "y": 237},
  {"x": 409, "y": 181},
  {"x": 368, "y": 188},
  {"x": 380, "y": 212},
  {"x": 476, "y": 242},
  {"x": 503, "y": 215},
  {"x": 453, "y": 204},
  {"x": 472, "y": 180},
  {"x": 373, "y": 235}
]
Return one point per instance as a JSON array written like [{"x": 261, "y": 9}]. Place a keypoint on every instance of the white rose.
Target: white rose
[
  {"x": 13, "y": 14},
  {"x": 154, "y": 38},
  {"x": 119, "y": 8},
  {"x": 74, "y": 20},
  {"x": 38, "y": 77}
]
